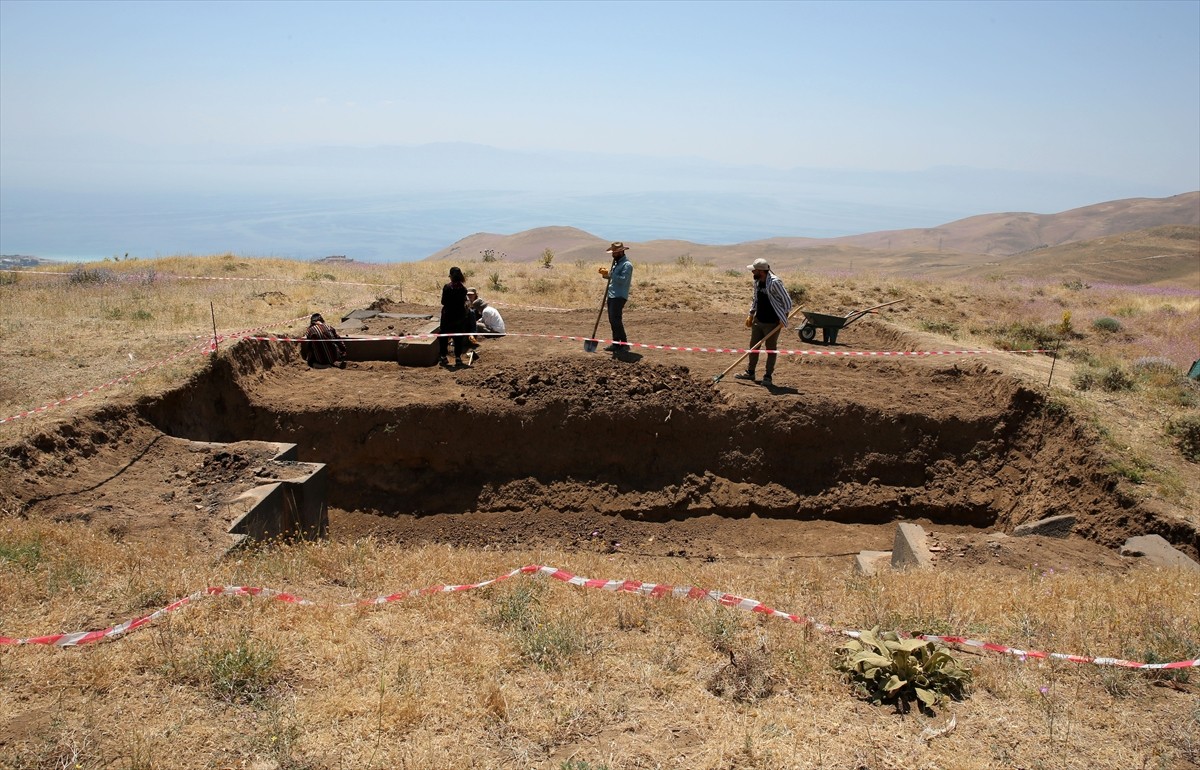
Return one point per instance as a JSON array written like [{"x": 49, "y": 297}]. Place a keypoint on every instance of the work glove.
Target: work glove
[
  {"x": 749, "y": 322},
  {"x": 603, "y": 272}
]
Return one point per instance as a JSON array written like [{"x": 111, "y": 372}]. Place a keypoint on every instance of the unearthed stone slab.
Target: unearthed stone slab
[
  {"x": 911, "y": 548},
  {"x": 1054, "y": 526},
  {"x": 1155, "y": 550},
  {"x": 290, "y": 504},
  {"x": 872, "y": 562}
]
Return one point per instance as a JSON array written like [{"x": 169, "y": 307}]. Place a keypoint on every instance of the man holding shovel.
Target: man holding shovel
[
  {"x": 769, "y": 311},
  {"x": 619, "y": 276}
]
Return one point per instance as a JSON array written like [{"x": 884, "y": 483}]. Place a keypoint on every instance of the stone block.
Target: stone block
[
  {"x": 1054, "y": 526},
  {"x": 911, "y": 547},
  {"x": 872, "y": 562},
  {"x": 1155, "y": 550}
]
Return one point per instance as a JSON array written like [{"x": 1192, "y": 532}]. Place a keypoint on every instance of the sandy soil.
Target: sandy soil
[{"x": 541, "y": 444}]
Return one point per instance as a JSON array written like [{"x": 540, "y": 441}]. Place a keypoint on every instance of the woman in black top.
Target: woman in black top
[{"x": 454, "y": 317}]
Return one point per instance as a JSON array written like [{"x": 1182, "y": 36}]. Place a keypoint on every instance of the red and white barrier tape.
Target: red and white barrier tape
[
  {"x": 244, "y": 332},
  {"x": 209, "y": 345},
  {"x": 206, "y": 347},
  {"x": 680, "y": 348},
  {"x": 652, "y": 590},
  {"x": 175, "y": 277}
]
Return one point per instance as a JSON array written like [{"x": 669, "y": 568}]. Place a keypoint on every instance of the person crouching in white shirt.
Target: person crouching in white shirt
[{"x": 489, "y": 321}]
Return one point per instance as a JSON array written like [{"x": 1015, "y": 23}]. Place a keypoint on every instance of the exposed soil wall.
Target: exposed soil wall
[
  {"x": 963, "y": 444},
  {"x": 555, "y": 432}
]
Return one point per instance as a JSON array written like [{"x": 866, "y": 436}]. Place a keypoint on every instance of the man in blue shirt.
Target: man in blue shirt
[
  {"x": 769, "y": 311},
  {"x": 620, "y": 276}
]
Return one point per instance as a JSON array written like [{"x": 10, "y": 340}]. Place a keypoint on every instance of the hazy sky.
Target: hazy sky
[{"x": 1110, "y": 89}]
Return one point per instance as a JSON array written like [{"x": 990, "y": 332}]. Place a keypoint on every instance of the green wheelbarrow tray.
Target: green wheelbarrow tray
[{"x": 830, "y": 325}]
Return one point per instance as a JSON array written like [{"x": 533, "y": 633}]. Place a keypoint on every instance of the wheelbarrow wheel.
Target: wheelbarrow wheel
[{"x": 808, "y": 332}]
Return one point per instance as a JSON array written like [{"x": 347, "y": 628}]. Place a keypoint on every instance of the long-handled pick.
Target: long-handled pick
[{"x": 755, "y": 347}]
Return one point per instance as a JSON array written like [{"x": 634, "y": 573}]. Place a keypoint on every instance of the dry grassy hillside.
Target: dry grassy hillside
[
  {"x": 991, "y": 244},
  {"x": 1168, "y": 256},
  {"x": 1001, "y": 235}
]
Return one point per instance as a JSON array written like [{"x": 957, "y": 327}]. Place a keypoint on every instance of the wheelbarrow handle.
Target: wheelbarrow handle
[{"x": 857, "y": 314}]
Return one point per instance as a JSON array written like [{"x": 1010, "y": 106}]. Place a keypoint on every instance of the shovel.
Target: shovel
[
  {"x": 755, "y": 347},
  {"x": 589, "y": 346}
]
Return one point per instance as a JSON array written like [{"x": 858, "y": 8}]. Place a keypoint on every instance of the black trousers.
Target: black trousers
[
  {"x": 449, "y": 326},
  {"x": 616, "y": 319}
]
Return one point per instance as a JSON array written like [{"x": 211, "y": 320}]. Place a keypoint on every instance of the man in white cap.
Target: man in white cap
[{"x": 769, "y": 311}]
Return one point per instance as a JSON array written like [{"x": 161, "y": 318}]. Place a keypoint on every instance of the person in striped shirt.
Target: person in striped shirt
[
  {"x": 321, "y": 346},
  {"x": 769, "y": 311}
]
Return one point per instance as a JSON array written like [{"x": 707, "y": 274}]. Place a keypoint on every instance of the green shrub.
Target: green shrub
[
  {"x": 1084, "y": 379},
  {"x": 83, "y": 277},
  {"x": 26, "y": 554},
  {"x": 1116, "y": 379},
  {"x": 547, "y": 643},
  {"x": 1026, "y": 336},
  {"x": 946, "y": 328},
  {"x": 1133, "y": 468},
  {"x": 239, "y": 673},
  {"x": 552, "y": 644},
  {"x": 1106, "y": 324},
  {"x": 1156, "y": 365},
  {"x": 1186, "y": 432},
  {"x": 1082, "y": 355},
  {"x": 887, "y": 669},
  {"x": 515, "y": 609}
]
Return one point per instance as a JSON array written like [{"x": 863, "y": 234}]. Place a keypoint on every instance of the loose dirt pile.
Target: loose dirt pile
[{"x": 543, "y": 444}]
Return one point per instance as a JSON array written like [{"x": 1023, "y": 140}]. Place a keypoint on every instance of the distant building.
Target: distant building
[
  {"x": 336, "y": 259},
  {"x": 11, "y": 261}
]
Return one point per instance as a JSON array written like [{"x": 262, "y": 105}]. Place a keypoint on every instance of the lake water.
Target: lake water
[{"x": 410, "y": 226}]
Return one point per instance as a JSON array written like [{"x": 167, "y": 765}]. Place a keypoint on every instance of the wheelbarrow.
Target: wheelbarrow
[{"x": 830, "y": 325}]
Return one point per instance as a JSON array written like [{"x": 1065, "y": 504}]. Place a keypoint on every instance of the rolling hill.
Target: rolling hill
[{"x": 1135, "y": 241}]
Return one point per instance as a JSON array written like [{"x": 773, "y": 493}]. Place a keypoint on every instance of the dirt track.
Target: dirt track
[{"x": 543, "y": 444}]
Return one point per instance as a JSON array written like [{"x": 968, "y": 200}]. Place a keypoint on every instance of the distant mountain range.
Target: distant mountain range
[{"x": 1136, "y": 240}]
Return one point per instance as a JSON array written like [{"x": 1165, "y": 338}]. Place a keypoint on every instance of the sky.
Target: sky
[{"x": 1104, "y": 90}]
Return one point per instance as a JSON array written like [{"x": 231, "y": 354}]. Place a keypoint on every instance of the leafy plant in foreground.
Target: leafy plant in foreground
[{"x": 887, "y": 669}]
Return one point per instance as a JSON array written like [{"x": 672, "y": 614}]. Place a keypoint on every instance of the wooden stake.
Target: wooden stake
[
  {"x": 214, "y": 317},
  {"x": 1053, "y": 361}
]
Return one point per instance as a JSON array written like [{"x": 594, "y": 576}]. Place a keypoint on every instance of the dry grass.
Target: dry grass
[{"x": 533, "y": 673}]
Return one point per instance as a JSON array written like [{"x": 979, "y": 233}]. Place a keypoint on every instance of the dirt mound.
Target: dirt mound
[{"x": 610, "y": 382}]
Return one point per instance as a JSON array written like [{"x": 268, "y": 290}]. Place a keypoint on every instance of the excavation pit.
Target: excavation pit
[{"x": 545, "y": 445}]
